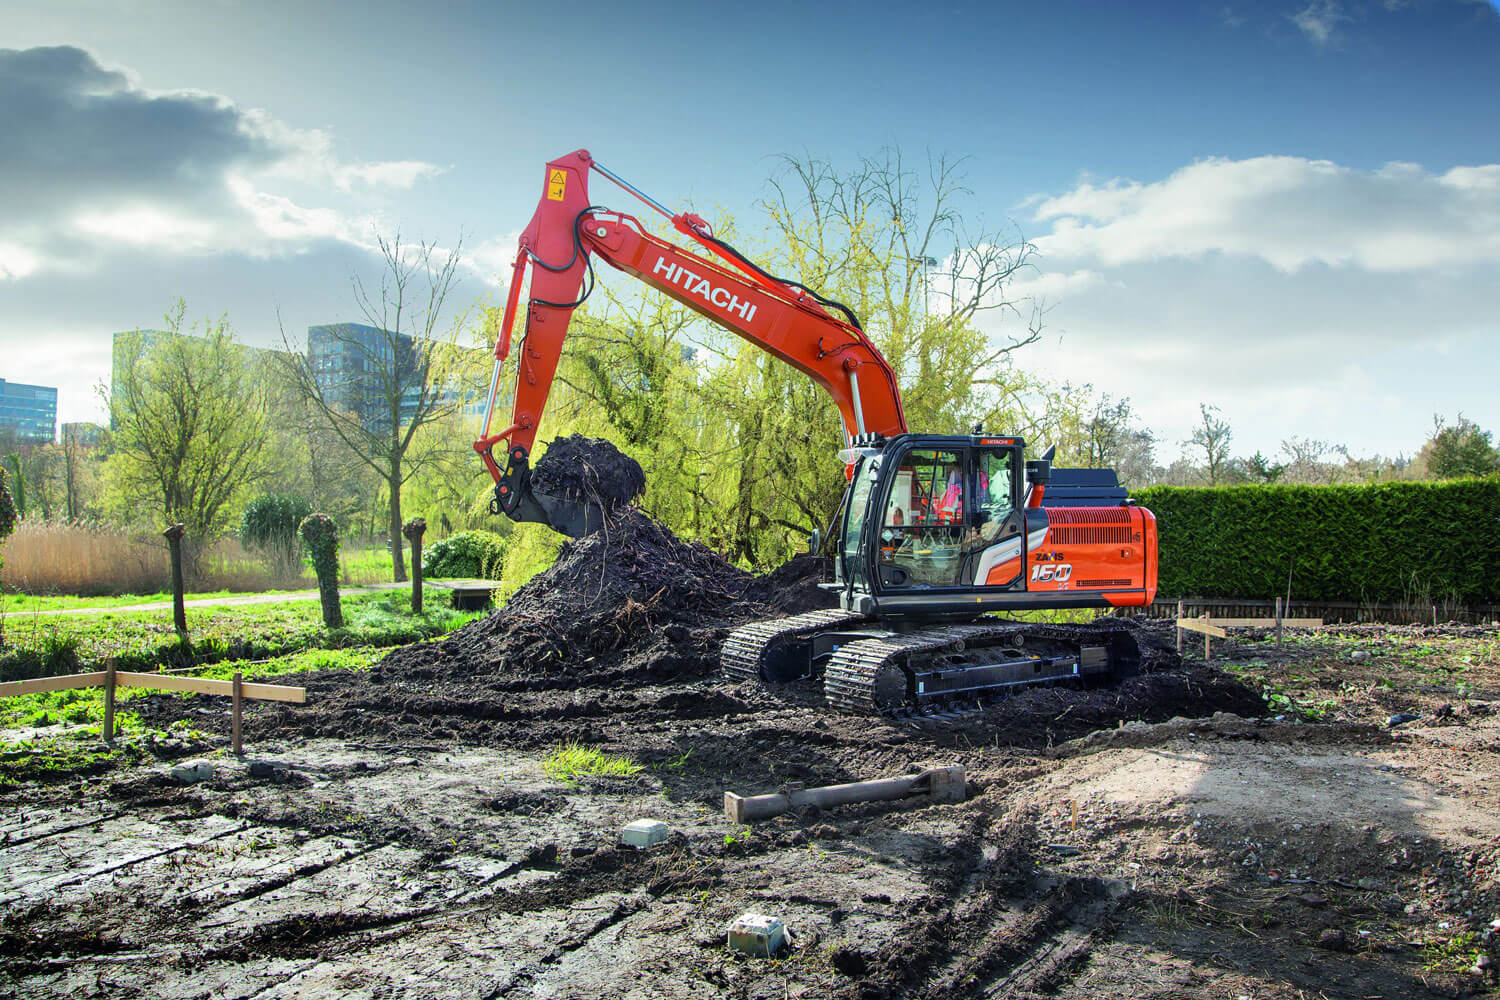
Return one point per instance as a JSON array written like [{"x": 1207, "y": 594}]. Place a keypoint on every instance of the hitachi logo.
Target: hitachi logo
[{"x": 695, "y": 285}]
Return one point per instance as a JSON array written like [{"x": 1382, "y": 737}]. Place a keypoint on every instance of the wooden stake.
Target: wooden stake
[
  {"x": 1208, "y": 654},
  {"x": 1278, "y": 622},
  {"x": 1074, "y": 804},
  {"x": 238, "y": 711},
  {"x": 1181, "y": 611},
  {"x": 109, "y": 702}
]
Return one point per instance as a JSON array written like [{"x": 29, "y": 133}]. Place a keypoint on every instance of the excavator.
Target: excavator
[{"x": 935, "y": 533}]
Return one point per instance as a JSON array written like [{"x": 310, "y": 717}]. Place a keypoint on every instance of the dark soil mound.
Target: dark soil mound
[
  {"x": 580, "y": 468},
  {"x": 632, "y": 599}
]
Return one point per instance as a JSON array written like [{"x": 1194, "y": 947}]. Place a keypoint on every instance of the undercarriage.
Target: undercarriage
[{"x": 926, "y": 667}]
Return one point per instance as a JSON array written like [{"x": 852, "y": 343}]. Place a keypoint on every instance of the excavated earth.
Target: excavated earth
[{"x": 400, "y": 836}]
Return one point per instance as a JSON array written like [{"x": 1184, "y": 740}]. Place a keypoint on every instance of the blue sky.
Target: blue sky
[{"x": 1288, "y": 209}]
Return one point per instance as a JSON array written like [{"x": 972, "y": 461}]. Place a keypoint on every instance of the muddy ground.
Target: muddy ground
[
  {"x": 409, "y": 842},
  {"x": 1319, "y": 819}
]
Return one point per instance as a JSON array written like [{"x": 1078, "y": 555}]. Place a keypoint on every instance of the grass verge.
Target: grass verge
[{"x": 145, "y": 641}]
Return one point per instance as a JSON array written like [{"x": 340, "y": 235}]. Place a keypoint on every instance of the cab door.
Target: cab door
[{"x": 995, "y": 543}]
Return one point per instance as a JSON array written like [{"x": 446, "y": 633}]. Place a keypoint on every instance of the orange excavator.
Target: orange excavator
[{"x": 935, "y": 532}]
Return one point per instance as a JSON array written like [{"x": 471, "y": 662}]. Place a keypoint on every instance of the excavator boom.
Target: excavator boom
[{"x": 567, "y": 232}]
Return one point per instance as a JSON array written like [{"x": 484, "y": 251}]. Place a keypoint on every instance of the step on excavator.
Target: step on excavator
[{"x": 935, "y": 532}]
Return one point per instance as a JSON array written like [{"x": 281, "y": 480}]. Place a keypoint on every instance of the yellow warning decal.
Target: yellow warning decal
[{"x": 557, "y": 184}]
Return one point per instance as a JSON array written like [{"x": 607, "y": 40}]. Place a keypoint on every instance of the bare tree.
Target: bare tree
[
  {"x": 1213, "y": 437},
  {"x": 377, "y": 386},
  {"x": 893, "y": 244}
]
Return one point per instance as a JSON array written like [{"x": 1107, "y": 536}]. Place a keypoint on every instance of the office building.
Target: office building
[{"x": 28, "y": 412}]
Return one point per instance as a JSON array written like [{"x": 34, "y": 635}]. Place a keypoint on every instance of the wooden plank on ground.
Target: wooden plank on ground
[
  {"x": 63, "y": 682},
  {"x": 206, "y": 685},
  {"x": 1198, "y": 625},
  {"x": 1269, "y": 622}
]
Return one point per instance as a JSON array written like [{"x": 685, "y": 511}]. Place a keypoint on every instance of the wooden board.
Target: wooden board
[
  {"x": 1269, "y": 622},
  {"x": 9, "y": 689},
  {"x": 1198, "y": 625},
  {"x": 205, "y": 685}
]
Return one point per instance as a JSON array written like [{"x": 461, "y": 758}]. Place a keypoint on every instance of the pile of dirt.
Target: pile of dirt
[
  {"x": 580, "y": 468},
  {"x": 631, "y": 598}
]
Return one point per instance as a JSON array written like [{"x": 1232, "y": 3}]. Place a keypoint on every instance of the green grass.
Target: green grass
[
  {"x": 45, "y": 646},
  {"x": 12, "y": 603},
  {"x": 571, "y": 760},
  {"x": 85, "y": 706}
]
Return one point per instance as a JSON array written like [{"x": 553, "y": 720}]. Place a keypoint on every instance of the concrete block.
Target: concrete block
[
  {"x": 644, "y": 833},
  {"x": 756, "y": 934},
  {"x": 191, "y": 774}
]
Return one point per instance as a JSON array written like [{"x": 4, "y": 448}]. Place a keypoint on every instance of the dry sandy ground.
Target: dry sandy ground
[{"x": 1189, "y": 858}]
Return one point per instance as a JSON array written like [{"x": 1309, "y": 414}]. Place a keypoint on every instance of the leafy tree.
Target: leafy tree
[
  {"x": 1212, "y": 436},
  {"x": 1260, "y": 469},
  {"x": 414, "y": 374},
  {"x": 270, "y": 524},
  {"x": 189, "y": 423},
  {"x": 1114, "y": 441},
  {"x": 1462, "y": 449}
]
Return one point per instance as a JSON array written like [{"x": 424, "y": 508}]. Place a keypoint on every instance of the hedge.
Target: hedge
[
  {"x": 467, "y": 554},
  {"x": 1389, "y": 542}
]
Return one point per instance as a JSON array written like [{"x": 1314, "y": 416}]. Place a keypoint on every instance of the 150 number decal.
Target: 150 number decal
[{"x": 1053, "y": 572}]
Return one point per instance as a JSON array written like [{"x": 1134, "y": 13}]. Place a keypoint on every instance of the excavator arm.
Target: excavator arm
[{"x": 787, "y": 320}]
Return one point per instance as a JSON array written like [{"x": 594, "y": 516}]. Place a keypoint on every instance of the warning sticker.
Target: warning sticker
[{"x": 557, "y": 184}]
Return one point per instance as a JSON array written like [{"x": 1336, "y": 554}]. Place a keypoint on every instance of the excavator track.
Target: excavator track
[
  {"x": 750, "y": 649},
  {"x": 950, "y": 670}
]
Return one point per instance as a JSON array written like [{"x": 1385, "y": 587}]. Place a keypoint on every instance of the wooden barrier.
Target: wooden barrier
[
  {"x": 1216, "y": 629},
  {"x": 110, "y": 678}
]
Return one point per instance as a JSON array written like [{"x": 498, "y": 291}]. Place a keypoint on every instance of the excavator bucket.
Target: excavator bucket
[{"x": 571, "y": 490}]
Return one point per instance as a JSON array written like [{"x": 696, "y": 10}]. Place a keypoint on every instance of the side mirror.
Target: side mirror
[{"x": 814, "y": 541}]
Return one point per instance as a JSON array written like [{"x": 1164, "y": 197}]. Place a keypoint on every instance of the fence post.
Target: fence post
[
  {"x": 1278, "y": 623},
  {"x": 413, "y": 530},
  {"x": 173, "y": 536},
  {"x": 109, "y": 702},
  {"x": 238, "y": 712},
  {"x": 1208, "y": 653},
  {"x": 1180, "y": 609}
]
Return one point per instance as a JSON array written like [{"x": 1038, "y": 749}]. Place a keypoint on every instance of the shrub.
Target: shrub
[
  {"x": 7, "y": 510},
  {"x": 322, "y": 539},
  {"x": 270, "y": 525},
  {"x": 1372, "y": 543},
  {"x": 476, "y": 554}
]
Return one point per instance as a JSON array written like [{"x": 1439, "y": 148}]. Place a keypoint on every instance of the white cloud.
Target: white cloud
[
  {"x": 1319, "y": 20},
  {"x": 1288, "y": 211},
  {"x": 1302, "y": 296}
]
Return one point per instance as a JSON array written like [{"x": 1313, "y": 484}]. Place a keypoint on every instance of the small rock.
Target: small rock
[
  {"x": 1333, "y": 939},
  {"x": 1312, "y": 900},
  {"x": 1369, "y": 885},
  {"x": 191, "y": 774},
  {"x": 824, "y": 831},
  {"x": 1400, "y": 718},
  {"x": 1360, "y": 655},
  {"x": 265, "y": 768}
]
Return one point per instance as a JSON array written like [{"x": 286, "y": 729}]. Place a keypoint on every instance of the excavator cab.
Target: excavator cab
[{"x": 940, "y": 525}]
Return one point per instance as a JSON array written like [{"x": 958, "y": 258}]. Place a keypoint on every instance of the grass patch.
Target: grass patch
[
  {"x": 85, "y": 706},
  {"x": 145, "y": 641},
  {"x": 571, "y": 760}
]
